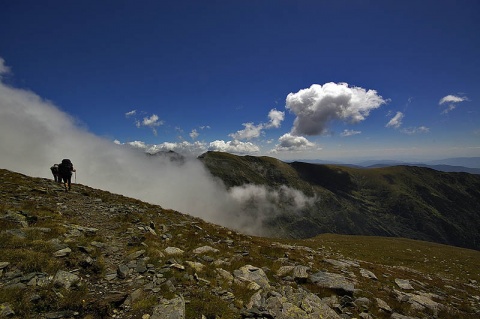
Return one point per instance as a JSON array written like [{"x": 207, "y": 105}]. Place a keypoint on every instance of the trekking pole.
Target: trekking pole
[{"x": 75, "y": 177}]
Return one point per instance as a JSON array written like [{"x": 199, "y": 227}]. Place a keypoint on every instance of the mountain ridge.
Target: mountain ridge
[{"x": 400, "y": 201}]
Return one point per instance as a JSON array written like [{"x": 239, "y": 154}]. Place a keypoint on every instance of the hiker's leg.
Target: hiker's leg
[
  {"x": 65, "y": 181},
  {"x": 69, "y": 182}
]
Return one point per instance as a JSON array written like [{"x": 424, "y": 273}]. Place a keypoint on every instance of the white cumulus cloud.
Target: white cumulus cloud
[
  {"x": 184, "y": 148},
  {"x": 289, "y": 142},
  {"x": 346, "y": 133},
  {"x": 452, "y": 101},
  {"x": 3, "y": 68},
  {"x": 152, "y": 122},
  {"x": 276, "y": 118},
  {"x": 396, "y": 121},
  {"x": 250, "y": 131},
  {"x": 415, "y": 130},
  {"x": 194, "y": 134},
  {"x": 253, "y": 131},
  {"x": 236, "y": 147},
  {"x": 131, "y": 113},
  {"x": 137, "y": 144},
  {"x": 318, "y": 105}
]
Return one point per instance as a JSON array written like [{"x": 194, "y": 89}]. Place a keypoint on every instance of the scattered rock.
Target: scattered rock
[
  {"x": 300, "y": 273},
  {"x": 368, "y": 274},
  {"x": 65, "y": 279},
  {"x": 6, "y": 310},
  {"x": 399, "y": 316},
  {"x": 195, "y": 265},
  {"x": 135, "y": 255},
  {"x": 205, "y": 250},
  {"x": 62, "y": 252},
  {"x": 249, "y": 274},
  {"x": 128, "y": 270},
  {"x": 333, "y": 281},
  {"x": 15, "y": 218},
  {"x": 382, "y": 305},
  {"x": 16, "y": 233},
  {"x": 122, "y": 271},
  {"x": 60, "y": 314},
  {"x": 287, "y": 303},
  {"x": 170, "y": 309},
  {"x": 172, "y": 251},
  {"x": 225, "y": 275},
  {"x": 404, "y": 284},
  {"x": 4, "y": 264},
  {"x": 285, "y": 270}
]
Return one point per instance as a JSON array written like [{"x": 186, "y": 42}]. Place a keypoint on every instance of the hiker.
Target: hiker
[
  {"x": 65, "y": 170},
  {"x": 54, "y": 170}
]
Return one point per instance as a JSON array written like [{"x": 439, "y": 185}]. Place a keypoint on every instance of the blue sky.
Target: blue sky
[{"x": 334, "y": 80}]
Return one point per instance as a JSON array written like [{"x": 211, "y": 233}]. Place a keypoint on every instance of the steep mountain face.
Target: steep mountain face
[
  {"x": 92, "y": 254},
  {"x": 399, "y": 201}
]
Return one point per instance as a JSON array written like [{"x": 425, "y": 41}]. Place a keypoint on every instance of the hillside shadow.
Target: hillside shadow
[{"x": 329, "y": 177}]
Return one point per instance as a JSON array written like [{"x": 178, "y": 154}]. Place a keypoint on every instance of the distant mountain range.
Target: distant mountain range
[
  {"x": 458, "y": 164},
  {"x": 398, "y": 201},
  {"x": 439, "y": 167}
]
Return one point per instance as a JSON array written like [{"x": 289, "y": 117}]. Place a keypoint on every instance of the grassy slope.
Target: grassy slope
[{"x": 444, "y": 270}]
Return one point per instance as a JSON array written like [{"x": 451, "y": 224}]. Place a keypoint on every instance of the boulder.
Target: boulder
[
  {"x": 404, "y": 284},
  {"x": 368, "y": 274},
  {"x": 300, "y": 273},
  {"x": 65, "y": 279},
  {"x": 251, "y": 274},
  {"x": 173, "y": 251},
  {"x": 205, "y": 250},
  {"x": 333, "y": 281},
  {"x": 170, "y": 309}
]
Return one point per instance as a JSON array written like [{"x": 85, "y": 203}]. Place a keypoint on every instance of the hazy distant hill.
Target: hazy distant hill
[
  {"x": 458, "y": 164},
  {"x": 472, "y": 162},
  {"x": 442, "y": 168},
  {"x": 461, "y": 164},
  {"x": 400, "y": 201}
]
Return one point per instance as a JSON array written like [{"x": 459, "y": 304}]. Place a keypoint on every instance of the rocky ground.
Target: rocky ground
[{"x": 88, "y": 253}]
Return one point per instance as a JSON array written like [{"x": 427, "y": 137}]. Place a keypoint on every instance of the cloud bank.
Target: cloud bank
[
  {"x": 35, "y": 134},
  {"x": 196, "y": 148},
  {"x": 318, "y": 105}
]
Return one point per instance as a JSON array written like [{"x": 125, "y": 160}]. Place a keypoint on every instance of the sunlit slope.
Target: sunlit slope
[
  {"x": 239, "y": 170},
  {"x": 398, "y": 201}
]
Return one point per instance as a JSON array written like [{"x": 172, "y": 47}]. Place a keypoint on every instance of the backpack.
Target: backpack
[{"x": 65, "y": 168}]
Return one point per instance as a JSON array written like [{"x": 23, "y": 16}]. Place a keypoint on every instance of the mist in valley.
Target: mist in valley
[{"x": 35, "y": 134}]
